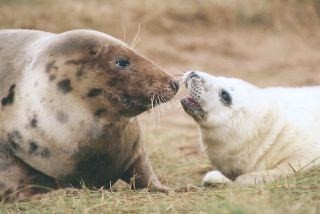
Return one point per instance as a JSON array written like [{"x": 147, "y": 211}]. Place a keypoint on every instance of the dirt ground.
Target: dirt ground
[{"x": 265, "y": 45}]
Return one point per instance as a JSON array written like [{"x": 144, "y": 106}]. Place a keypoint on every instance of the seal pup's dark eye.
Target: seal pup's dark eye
[
  {"x": 122, "y": 63},
  {"x": 225, "y": 97}
]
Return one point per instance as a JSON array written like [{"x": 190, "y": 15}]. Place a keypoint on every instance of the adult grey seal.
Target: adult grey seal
[{"x": 68, "y": 111}]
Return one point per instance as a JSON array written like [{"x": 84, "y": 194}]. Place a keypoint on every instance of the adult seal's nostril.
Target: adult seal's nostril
[{"x": 174, "y": 85}]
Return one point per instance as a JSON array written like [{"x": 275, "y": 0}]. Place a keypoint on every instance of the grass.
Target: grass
[
  {"x": 295, "y": 195},
  {"x": 264, "y": 42}
]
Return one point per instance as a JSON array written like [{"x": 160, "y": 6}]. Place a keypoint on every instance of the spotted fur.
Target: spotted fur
[{"x": 68, "y": 110}]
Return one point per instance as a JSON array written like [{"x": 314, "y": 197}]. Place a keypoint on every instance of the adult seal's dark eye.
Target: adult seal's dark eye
[
  {"x": 225, "y": 97},
  {"x": 122, "y": 63}
]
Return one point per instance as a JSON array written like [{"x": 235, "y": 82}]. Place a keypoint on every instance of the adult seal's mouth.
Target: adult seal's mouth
[
  {"x": 136, "y": 105},
  {"x": 193, "y": 108}
]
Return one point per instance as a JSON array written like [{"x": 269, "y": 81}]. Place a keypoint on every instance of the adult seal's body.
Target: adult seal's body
[
  {"x": 254, "y": 135},
  {"x": 67, "y": 111}
]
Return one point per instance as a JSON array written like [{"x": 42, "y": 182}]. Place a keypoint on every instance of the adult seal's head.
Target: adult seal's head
[
  {"x": 103, "y": 71},
  {"x": 67, "y": 110}
]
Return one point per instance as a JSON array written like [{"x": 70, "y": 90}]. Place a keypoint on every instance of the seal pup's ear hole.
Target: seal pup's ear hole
[
  {"x": 122, "y": 63},
  {"x": 225, "y": 97}
]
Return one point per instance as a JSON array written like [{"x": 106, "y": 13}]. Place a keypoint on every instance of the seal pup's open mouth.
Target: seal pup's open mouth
[
  {"x": 193, "y": 108},
  {"x": 190, "y": 103}
]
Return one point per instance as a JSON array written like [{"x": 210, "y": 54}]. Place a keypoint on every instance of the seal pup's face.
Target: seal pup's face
[
  {"x": 108, "y": 75},
  {"x": 214, "y": 101}
]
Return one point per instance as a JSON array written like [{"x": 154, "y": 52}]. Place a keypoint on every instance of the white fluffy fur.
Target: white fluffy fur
[{"x": 266, "y": 133}]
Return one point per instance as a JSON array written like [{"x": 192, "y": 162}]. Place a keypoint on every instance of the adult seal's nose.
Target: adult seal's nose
[{"x": 174, "y": 85}]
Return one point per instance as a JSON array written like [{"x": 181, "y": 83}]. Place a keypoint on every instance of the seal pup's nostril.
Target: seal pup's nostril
[
  {"x": 191, "y": 76},
  {"x": 174, "y": 85}
]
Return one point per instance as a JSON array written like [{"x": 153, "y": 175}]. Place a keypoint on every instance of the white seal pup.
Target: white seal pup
[
  {"x": 253, "y": 135},
  {"x": 68, "y": 111}
]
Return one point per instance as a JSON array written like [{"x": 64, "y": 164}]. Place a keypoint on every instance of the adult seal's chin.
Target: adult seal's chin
[
  {"x": 194, "y": 109},
  {"x": 134, "y": 107}
]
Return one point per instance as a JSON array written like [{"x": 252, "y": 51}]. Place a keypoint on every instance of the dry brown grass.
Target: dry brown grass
[{"x": 264, "y": 42}]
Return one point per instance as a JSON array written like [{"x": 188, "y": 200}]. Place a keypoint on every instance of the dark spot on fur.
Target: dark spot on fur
[
  {"x": 36, "y": 150},
  {"x": 14, "y": 139},
  {"x": 62, "y": 117},
  {"x": 52, "y": 77},
  {"x": 34, "y": 122},
  {"x": 93, "y": 52},
  {"x": 8, "y": 100},
  {"x": 99, "y": 112},
  {"x": 79, "y": 72},
  {"x": 64, "y": 85},
  {"x": 45, "y": 153},
  {"x": 77, "y": 62},
  {"x": 33, "y": 146},
  {"x": 14, "y": 145},
  {"x": 50, "y": 66},
  {"x": 94, "y": 92},
  {"x": 6, "y": 157}
]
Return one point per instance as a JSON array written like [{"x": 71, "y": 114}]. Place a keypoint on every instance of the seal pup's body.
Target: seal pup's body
[
  {"x": 254, "y": 135},
  {"x": 68, "y": 107}
]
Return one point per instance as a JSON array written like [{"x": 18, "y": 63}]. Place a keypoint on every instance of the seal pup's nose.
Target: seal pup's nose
[
  {"x": 174, "y": 85},
  {"x": 192, "y": 75}
]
